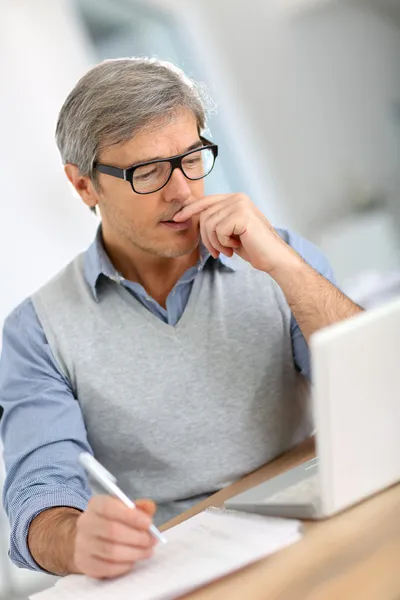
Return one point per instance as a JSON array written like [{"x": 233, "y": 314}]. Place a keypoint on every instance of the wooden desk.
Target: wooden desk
[{"x": 353, "y": 556}]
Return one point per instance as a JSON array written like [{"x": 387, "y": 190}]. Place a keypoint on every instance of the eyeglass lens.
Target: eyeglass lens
[{"x": 153, "y": 176}]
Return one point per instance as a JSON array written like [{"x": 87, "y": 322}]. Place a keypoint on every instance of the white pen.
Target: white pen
[{"x": 109, "y": 483}]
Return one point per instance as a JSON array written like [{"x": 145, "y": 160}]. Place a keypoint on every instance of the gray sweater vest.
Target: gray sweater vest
[{"x": 176, "y": 413}]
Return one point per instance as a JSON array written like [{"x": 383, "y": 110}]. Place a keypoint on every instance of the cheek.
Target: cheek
[
  {"x": 197, "y": 188},
  {"x": 115, "y": 192},
  {"x": 120, "y": 199}
]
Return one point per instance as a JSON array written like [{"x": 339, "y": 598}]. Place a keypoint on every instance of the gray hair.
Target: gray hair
[{"x": 116, "y": 99}]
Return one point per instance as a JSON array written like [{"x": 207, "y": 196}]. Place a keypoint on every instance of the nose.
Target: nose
[{"x": 177, "y": 188}]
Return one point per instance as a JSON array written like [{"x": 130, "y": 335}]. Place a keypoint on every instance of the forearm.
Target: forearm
[
  {"x": 314, "y": 301},
  {"x": 51, "y": 540}
]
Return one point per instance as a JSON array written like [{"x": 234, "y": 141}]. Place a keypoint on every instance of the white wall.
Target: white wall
[
  {"x": 316, "y": 95},
  {"x": 344, "y": 82},
  {"x": 42, "y": 53}
]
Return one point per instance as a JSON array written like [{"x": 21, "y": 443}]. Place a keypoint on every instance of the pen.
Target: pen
[{"x": 109, "y": 483}]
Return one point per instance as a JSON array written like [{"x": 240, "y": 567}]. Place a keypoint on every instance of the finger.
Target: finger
[
  {"x": 233, "y": 243},
  {"x": 211, "y": 221},
  {"x": 101, "y": 569},
  {"x": 118, "y": 553},
  {"x": 198, "y": 206},
  {"x": 206, "y": 240},
  {"x": 114, "y": 510},
  {"x": 112, "y": 531},
  {"x": 228, "y": 229},
  {"x": 212, "y": 218},
  {"x": 149, "y": 506},
  {"x": 212, "y": 236}
]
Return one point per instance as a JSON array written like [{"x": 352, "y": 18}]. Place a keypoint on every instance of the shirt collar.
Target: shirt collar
[
  {"x": 97, "y": 263},
  {"x": 228, "y": 263}
]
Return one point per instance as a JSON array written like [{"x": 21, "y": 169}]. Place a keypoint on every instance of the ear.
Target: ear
[{"x": 83, "y": 185}]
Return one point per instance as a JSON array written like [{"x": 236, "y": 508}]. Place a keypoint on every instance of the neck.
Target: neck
[{"x": 156, "y": 274}]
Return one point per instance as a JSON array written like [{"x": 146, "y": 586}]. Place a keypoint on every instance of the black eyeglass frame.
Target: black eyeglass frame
[{"x": 175, "y": 162}]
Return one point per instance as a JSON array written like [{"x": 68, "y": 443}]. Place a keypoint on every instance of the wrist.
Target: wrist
[
  {"x": 51, "y": 539},
  {"x": 289, "y": 265},
  {"x": 69, "y": 534}
]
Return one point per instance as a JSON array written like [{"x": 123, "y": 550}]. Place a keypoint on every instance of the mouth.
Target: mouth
[{"x": 177, "y": 226}]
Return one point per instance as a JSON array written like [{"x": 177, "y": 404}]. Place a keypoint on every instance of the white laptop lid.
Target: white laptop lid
[{"x": 356, "y": 395}]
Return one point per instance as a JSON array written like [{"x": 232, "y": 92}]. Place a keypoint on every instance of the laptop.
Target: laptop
[{"x": 356, "y": 403}]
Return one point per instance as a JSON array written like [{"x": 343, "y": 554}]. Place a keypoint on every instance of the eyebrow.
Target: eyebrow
[{"x": 194, "y": 146}]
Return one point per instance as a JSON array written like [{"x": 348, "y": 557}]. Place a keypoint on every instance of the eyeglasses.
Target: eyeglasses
[{"x": 149, "y": 177}]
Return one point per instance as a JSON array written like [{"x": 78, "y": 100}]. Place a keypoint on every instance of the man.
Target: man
[{"x": 174, "y": 349}]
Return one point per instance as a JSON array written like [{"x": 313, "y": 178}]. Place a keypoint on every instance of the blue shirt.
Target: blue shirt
[{"x": 42, "y": 426}]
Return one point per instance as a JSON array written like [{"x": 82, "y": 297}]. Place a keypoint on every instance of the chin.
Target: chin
[{"x": 175, "y": 250}]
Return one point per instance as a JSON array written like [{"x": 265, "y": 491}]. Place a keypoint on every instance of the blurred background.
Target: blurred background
[{"x": 307, "y": 118}]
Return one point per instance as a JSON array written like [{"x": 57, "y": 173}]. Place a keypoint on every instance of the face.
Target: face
[{"x": 139, "y": 221}]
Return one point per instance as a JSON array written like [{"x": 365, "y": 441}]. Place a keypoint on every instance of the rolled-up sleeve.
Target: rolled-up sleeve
[
  {"x": 42, "y": 430},
  {"x": 314, "y": 257}
]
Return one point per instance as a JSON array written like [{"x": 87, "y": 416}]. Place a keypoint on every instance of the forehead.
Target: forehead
[{"x": 170, "y": 136}]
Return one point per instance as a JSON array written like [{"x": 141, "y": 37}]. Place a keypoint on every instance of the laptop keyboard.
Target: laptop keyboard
[{"x": 303, "y": 492}]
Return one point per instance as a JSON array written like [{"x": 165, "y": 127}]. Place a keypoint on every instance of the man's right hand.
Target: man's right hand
[{"x": 111, "y": 538}]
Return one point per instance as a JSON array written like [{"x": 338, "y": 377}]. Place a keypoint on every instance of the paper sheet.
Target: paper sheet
[{"x": 200, "y": 550}]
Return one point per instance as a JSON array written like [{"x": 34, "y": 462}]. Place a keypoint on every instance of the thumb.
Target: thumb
[{"x": 148, "y": 506}]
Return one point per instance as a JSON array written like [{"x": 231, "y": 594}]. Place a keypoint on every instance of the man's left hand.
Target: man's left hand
[{"x": 232, "y": 223}]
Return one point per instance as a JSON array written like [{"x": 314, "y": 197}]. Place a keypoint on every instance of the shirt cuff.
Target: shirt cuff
[{"x": 19, "y": 551}]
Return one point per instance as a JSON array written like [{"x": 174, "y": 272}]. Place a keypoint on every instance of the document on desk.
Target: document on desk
[{"x": 199, "y": 550}]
